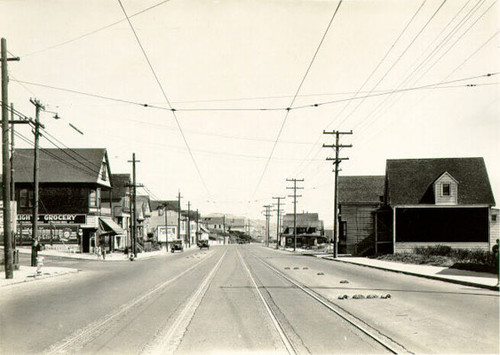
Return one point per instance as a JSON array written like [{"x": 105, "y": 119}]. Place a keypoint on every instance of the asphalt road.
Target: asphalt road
[{"x": 243, "y": 298}]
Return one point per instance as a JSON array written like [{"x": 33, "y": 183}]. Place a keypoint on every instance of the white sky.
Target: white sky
[{"x": 254, "y": 54}]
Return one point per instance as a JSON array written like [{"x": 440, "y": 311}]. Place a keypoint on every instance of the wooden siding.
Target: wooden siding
[
  {"x": 494, "y": 226},
  {"x": 402, "y": 247},
  {"x": 359, "y": 225}
]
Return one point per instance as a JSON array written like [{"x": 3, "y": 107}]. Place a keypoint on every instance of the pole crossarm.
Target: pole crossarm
[
  {"x": 337, "y": 146},
  {"x": 336, "y": 132}
]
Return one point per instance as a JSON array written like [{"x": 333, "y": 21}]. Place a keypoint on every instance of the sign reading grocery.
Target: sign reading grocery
[{"x": 55, "y": 218}]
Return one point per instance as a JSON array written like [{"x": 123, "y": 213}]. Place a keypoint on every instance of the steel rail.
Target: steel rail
[
  {"x": 358, "y": 323},
  {"x": 284, "y": 338}
]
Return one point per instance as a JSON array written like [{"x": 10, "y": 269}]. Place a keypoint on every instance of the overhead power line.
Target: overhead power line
[
  {"x": 306, "y": 106},
  {"x": 295, "y": 96},
  {"x": 94, "y": 31},
  {"x": 164, "y": 95}
]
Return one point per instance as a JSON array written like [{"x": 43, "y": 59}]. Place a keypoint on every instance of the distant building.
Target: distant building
[
  {"x": 310, "y": 230},
  {"x": 164, "y": 213}
]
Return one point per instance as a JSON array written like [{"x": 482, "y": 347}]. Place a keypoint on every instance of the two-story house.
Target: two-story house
[
  {"x": 70, "y": 186},
  {"x": 310, "y": 230}
]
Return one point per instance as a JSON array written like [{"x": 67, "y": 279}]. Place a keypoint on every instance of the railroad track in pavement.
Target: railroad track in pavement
[{"x": 269, "y": 296}]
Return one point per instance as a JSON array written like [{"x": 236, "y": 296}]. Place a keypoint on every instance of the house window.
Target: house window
[
  {"x": 104, "y": 171},
  {"x": 25, "y": 198},
  {"x": 95, "y": 198},
  {"x": 494, "y": 217},
  {"x": 446, "y": 189}
]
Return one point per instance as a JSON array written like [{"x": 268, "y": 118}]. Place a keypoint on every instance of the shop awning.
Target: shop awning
[{"x": 108, "y": 225}]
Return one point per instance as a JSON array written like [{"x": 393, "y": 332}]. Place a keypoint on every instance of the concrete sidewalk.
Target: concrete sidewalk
[
  {"x": 28, "y": 273},
  {"x": 462, "y": 277}
]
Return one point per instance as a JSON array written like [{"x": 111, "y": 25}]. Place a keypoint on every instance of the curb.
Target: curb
[
  {"x": 42, "y": 277},
  {"x": 460, "y": 282}
]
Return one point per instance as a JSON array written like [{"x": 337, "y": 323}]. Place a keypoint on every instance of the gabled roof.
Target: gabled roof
[
  {"x": 361, "y": 189},
  {"x": 119, "y": 185},
  {"x": 410, "y": 181},
  {"x": 73, "y": 165},
  {"x": 303, "y": 220},
  {"x": 143, "y": 200}
]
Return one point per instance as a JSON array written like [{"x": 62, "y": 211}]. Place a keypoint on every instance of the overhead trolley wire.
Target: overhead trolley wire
[
  {"x": 164, "y": 95},
  {"x": 387, "y": 72},
  {"x": 295, "y": 96},
  {"x": 288, "y": 108},
  {"x": 378, "y": 107}
]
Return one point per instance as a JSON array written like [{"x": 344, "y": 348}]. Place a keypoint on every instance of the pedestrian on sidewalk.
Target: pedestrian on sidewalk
[{"x": 97, "y": 251}]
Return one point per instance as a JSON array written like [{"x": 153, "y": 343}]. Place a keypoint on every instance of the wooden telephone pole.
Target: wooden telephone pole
[
  {"x": 36, "y": 181},
  {"x": 336, "y": 162},
  {"x": 278, "y": 221},
  {"x": 7, "y": 213},
  {"x": 133, "y": 209},
  {"x": 295, "y": 188}
]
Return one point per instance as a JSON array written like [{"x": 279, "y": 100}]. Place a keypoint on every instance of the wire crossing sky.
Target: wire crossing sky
[{"x": 252, "y": 85}]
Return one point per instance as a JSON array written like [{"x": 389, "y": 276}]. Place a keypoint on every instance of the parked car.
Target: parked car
[
  {"x": 203, "y": 244},
  {"x": 176, "y": 245}
]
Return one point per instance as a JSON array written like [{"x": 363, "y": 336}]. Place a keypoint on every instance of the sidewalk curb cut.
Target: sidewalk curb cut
[{"x": 460, "y": 282}]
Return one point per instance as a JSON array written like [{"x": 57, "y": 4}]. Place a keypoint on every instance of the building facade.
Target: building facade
[{"x": 71, "y": 183}]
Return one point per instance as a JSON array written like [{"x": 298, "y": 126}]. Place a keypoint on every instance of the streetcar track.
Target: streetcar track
[
  {"x": 382, "y": 339},
  {"x": 279, "y": 327},
  {"x": 85, "y": 335}
]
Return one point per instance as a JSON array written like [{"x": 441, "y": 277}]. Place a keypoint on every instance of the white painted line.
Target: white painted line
[
  {"x": 94, "y": 329},
  {"x": 169, "y": 338}
]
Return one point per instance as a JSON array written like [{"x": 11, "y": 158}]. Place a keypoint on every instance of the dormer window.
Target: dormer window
[{"x": 446, "y": 189}]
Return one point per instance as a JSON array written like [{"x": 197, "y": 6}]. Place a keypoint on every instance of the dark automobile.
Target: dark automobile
[
  {"x": 203, "y": 244},
  {"x": 176, "y": 245}
]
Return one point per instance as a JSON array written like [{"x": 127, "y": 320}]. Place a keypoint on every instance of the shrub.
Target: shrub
[{"x": 438, "y": 250}]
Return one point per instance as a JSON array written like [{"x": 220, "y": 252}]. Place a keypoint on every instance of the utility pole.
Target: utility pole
[
  {"x": 36, "y": 182},
  {"x": 224, "y": 229},
  {"x": 197, "y": 226},
  {"x": 268, "y": 215},
  {"x": 295, "y": 188},
  {"x": 179, "y": 215},
  {"x": 278, "y": 221},
  {"x": 12, "y": 182},
  {"x": 336, "y": 161},
  {"x": 133, "y": 210},
  {"x": 189, "y": 224},
  {"x": 7, "y": 213},
  {"x": 165, "y": 211}
]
